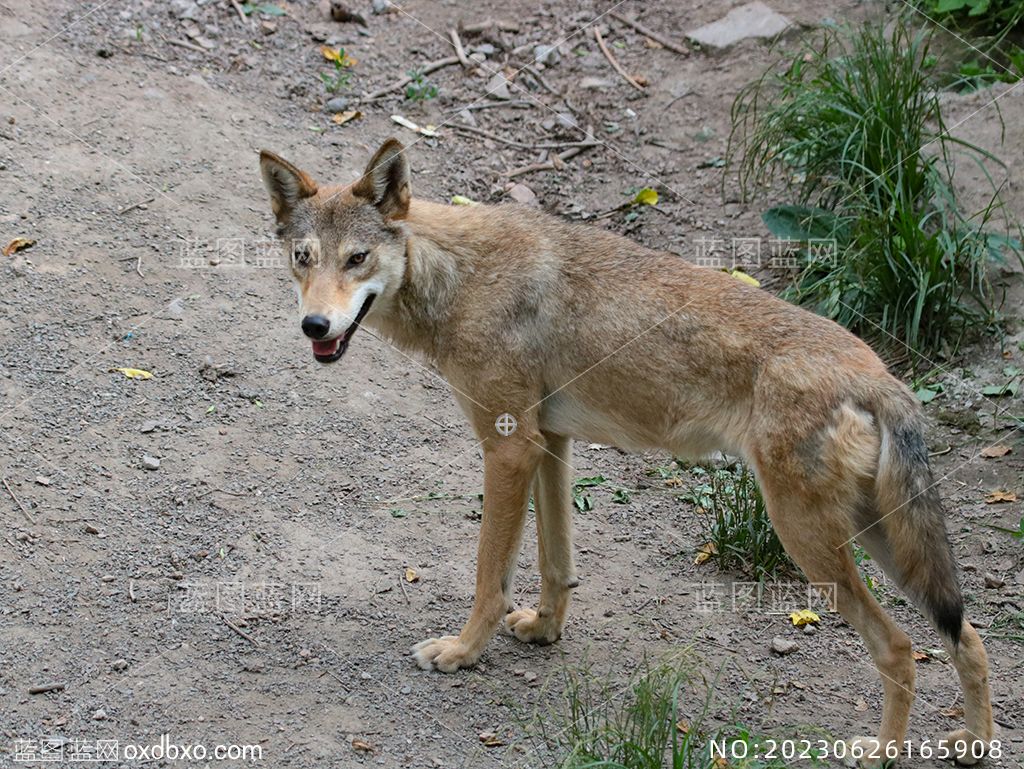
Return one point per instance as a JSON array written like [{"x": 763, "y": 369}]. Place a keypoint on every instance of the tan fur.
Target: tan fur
[{"x": 580, "y": 333}]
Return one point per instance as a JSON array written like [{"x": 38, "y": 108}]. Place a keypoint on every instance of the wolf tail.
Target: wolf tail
[{"x": 906, "y": 530}]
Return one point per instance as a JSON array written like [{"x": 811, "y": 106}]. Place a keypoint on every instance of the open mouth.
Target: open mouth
[{"x": 329, "y": 350}]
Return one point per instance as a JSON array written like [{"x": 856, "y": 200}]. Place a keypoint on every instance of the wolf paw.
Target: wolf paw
[
  {"x": 527, "y": 625},
  {"x": 866, "y": 753},
  {"x": 968, "y": 749},
  {"x": 446, "y": 654}
]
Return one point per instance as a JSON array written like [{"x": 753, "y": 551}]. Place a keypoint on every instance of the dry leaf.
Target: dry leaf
[
  {"x": 954, "y": 712},
  {"x": 804, "y": 617},
  {"x": 344, "y": 117},
  {"x": 411, "y": 575},
  {"x": 707, "y": 550},
  {"x": 999, "y": 450},
  {"x": 1000, "y": 495},
  {"x": 920, "y": 656},
  {"x": 490, "y": 740},
  {"x": 674, "y": 482},
  {"x": 17, "y": 244},
  {"x": 860, "y": 706},
  {"x": 683, "y": 726},
  {"x": 362, "y": 745},
  {"x": 134, "y": 373}
]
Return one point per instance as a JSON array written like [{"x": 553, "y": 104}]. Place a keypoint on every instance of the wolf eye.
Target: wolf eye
[
  {"x": 357, "y": 258},
  {"x": 302, "y": 255}
]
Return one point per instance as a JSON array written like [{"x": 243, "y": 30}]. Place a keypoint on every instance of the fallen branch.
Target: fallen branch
[
  {"x": 17, "y": 501},
  {"x": 520, "y": 145},
  {"x": 240, "y": 12},
  {"x": 397, "y": 86},
  {"x": 664, "y": 42},
  {"x": 240, "y": 632},
  {"x": 186, "y": 44},
  {"x": 56, "y": 686},
  {"x": 491, "y": 105},
  {"x": 614, "y": 62},
  {"x": 133, "y": 206},
  {"x": 459, "y": 50},
  {"x": 551, "y": 164},
  {"x": 490, "y": 25}
]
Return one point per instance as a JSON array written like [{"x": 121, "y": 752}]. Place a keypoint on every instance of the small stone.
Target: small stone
[
  {"x": 547, "y": 55},
  {"x": 149, "y": 426},
  {"x": 90, "y": 529},
  {"x": 992, "y": 581},
  {"x": 522, "y": 194},
  {"x": 497, "y": 87},
  {"x": 809, "y": 629},
  {"x": 337, "y": 104},
  {"x": 119, "y": 665},
  {"x": 486, "y": 49},
  {"x": 365, "y": 676},
  {"x": 783, "y": 646},
  {"x": 42, "y": 480},
  {"x": 530, "y": 677},
  {"x": 381, "y": 6},
  {"x": 99, "y": 715},
  {"x": 466, "y": 117},
  {"x": 594, "y": 83},
  {"x": 406, "y": 689},
  {"x": 150, "y": 463},
  {"x": 753, "y": 20}
]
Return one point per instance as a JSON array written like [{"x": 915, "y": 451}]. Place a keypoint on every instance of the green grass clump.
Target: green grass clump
[
  {"x": 738, "y": 533},
  {"x": 659, "y": 720},
  {"x": 853, "y": 126}
]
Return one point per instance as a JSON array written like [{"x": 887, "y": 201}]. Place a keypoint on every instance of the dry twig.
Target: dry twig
[
  {"x": 17, "y": 501},
  {"x": 614, "y": 62},
  {"x": 459, "y": 50},
  {"x": 662, "y": 41},
  {"x": 552, "y": 164},
  {"x": 447, "y": 61}
]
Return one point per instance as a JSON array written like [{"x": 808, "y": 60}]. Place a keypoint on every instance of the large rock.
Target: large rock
[{"x": 753, "y": 20}]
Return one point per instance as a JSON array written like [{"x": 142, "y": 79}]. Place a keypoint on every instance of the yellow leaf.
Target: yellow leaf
[
  {"x": 361, "y": 746},
  {"x": 707, "y": 550},
  {"x": 411, "y": 575},
  {"x": 646, "y": 197},
  {"x": 804, "y": 617},
  {"x": 332, "y": 54},
  {"x": 134, "y": 373},
  {"x": 683, "y": 726},
  {"x": 343, "y": 117},
  {"x": 749, "y": 280},
  {"x": 17, "y": 244},
  {"x": 1000, "y": 495},
  {"x": 462, "y": 200}
]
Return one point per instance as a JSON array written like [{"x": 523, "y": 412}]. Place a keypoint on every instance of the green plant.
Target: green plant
[
  {"x": 989, "y": 25},
  {"x": 659, "y": 719},
  {"x": 854, "y": 127},
  {"x": 419, "y": 88},
  {"x": 339, "y": 75},
  {"x": 738, "y": 533}
]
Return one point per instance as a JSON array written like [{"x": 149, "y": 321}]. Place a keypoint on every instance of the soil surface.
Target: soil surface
[{"x": 220, "y": 553}]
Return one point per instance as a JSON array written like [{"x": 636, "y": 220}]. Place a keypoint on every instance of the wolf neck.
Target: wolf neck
[{"x": 437, "y": 262}]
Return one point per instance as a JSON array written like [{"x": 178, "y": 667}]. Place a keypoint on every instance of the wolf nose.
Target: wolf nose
[{"x": 315, "y": 326}]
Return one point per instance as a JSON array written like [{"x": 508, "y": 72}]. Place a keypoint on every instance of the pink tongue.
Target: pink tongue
[{"x": 326, "y": 348}]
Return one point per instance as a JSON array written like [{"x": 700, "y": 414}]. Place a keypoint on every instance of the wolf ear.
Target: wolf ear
[
  {"x": 286, "y": 184},
  {"x": 385, "y": 182}
]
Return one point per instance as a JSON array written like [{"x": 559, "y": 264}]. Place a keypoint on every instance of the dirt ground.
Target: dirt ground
[{"x": 252, "y": 589}]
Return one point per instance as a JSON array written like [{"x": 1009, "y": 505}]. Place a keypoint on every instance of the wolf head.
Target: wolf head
[{"x": 346, "y": 244}]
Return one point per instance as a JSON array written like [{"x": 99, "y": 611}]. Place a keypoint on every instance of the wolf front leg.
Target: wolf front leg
[
  {"x": 510, "y": 462},
  {"x": 552, "y": 502}
]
